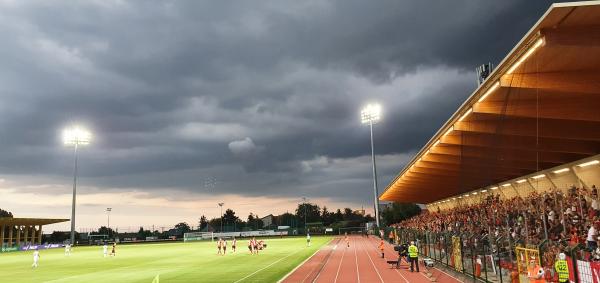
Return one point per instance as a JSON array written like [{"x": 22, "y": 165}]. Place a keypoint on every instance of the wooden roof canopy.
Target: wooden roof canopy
[
  {"x": 9, "y": 221},
  {"x": 540, "y": 108}
]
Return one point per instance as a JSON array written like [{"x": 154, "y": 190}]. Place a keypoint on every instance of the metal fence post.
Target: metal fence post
[{"x": 499, "y": 262}]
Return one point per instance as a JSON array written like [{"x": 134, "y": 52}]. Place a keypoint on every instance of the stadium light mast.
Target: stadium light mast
[
  {"x": 75, "y": 136},
  {"x": 108, "y": 210},
  {"x": 370, "y": 115},
  {"x": 221, "y": 205},
  {"x": 304, "y": 200}
]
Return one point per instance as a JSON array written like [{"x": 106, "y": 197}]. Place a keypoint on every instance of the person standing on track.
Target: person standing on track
[
  {"x": 413, "y": 255},
  {"x": 347, "y": 240},
  {"x": 381, "y": 247}
]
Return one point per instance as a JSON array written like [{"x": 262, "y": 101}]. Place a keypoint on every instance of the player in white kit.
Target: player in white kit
[
  {"x": 36, "y": 258},
  {"x": 68, "y": 249},
  {"x": 105, "y": 249}
]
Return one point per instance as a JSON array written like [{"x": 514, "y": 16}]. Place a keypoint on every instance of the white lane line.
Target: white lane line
[
  {"x": 356, "y": 261},
  {"x": 405, "y": 280},
  {"x": 372, "y": 263},
  {"x": 449, "y": 275},
  {"x": 395, "y": 269},
  {"x": 324, "y": 265},
  {"x": 290, "y": 273},
  {"x": 244, "y": 278},
  {"x": 340, "y": 265}
]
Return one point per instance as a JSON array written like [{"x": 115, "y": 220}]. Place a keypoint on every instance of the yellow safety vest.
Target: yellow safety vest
[
  {"x": 562, "y": 269},
  {"x": 413, "y": 251}
]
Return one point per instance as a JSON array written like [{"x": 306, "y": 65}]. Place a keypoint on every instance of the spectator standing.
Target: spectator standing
[{"x": 591, "y": 238}]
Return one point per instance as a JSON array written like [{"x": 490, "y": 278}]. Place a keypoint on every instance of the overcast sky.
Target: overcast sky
[{"x": 253, "y": 103}]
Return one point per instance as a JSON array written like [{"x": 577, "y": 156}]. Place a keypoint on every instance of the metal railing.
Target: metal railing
[{"x": 481, "y": 258}]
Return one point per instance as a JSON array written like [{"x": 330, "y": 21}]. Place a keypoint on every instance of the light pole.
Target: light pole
[
  {"x": 108, "y": 210},
  {"x": 75, "y": 137},
  {"x": 304, "y": 201},
  {"x": 221, "y": 205},
  {"x": 370, "y": 115}
]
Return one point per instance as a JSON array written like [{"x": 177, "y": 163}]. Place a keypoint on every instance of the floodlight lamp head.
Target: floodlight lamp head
[
  {"x": 76, "y": 136},
  {"x": 370, "y": 114}
]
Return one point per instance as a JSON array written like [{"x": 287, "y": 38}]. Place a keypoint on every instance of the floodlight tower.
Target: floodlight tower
[
  {"x": 304, "y": 201},
  {"x": 370, "y": 115},
  {"x": 108, "y": 210},
  {"x": 75, "y": 136},
  {"x": 221, "y": 205}
]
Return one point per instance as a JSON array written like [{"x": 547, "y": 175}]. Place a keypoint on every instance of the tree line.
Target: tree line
[{"x": 305, "y": 213}]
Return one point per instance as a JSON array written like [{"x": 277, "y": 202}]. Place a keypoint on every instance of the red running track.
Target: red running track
[{"x": 361, "y": 262}]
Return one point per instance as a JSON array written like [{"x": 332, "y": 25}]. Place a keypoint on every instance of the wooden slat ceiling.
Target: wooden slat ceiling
[{"x": 541, "y": 114}]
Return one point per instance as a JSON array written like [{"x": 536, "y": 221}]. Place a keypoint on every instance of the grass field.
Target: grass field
[{"x": 173, "y": 262}]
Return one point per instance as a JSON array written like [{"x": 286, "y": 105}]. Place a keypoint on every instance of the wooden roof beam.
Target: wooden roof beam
[
  {"x": 504, "y": 153},
  {"x": 554, "y": 128},
  {"x": 500, "y": 141},
  {"x": 567, "y": 82},
  {"x": 564, "y": 107},
  {"x": 579, "y": 36},
  {"x": 498, "y": 170}
]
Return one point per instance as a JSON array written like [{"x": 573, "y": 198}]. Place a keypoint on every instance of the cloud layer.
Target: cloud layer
[{"x": 262, "y": 97}]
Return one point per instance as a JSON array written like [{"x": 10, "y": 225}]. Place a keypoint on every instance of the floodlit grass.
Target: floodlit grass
[{"x": 174, "y": 262}]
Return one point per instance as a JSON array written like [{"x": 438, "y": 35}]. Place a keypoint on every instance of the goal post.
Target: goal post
[{"x": 198, "y": 236}]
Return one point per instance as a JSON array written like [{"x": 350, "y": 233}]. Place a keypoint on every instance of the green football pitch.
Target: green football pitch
[{"x": 171, "y": 262}]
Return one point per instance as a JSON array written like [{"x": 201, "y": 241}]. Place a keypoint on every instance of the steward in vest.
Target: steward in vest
[
  {"x": 413, "y": 255},
  {"x": 561, "y": 268}
]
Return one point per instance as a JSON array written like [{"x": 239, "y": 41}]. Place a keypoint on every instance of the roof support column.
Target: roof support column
[
  {"x": 18, "y": 235},
  {"x": 551, "y": 181},
  {"x": 40, "y": 235},
  {"x": 26, "y": 236},
  {"x": 516, "y": 191},
  {"x": 10, "y": 236},
  {"x": 32, "y": 239},
  {"x": 502, "y": 191},
  {"x": 582, "y": 184},
  {"x": 2, "y": 228},
  {"x": 535, "y": 190}
]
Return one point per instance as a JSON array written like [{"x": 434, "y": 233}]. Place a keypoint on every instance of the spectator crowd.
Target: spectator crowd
[{"x": 565, "y": 218}]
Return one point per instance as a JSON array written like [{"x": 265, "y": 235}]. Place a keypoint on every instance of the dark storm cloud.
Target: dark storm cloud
[{"x": 169, "y": 86}]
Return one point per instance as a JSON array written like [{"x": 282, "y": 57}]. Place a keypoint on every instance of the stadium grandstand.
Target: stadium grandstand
[
  {"x": 509, "y": 181},
  {"x": 17, "y": 231}
]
